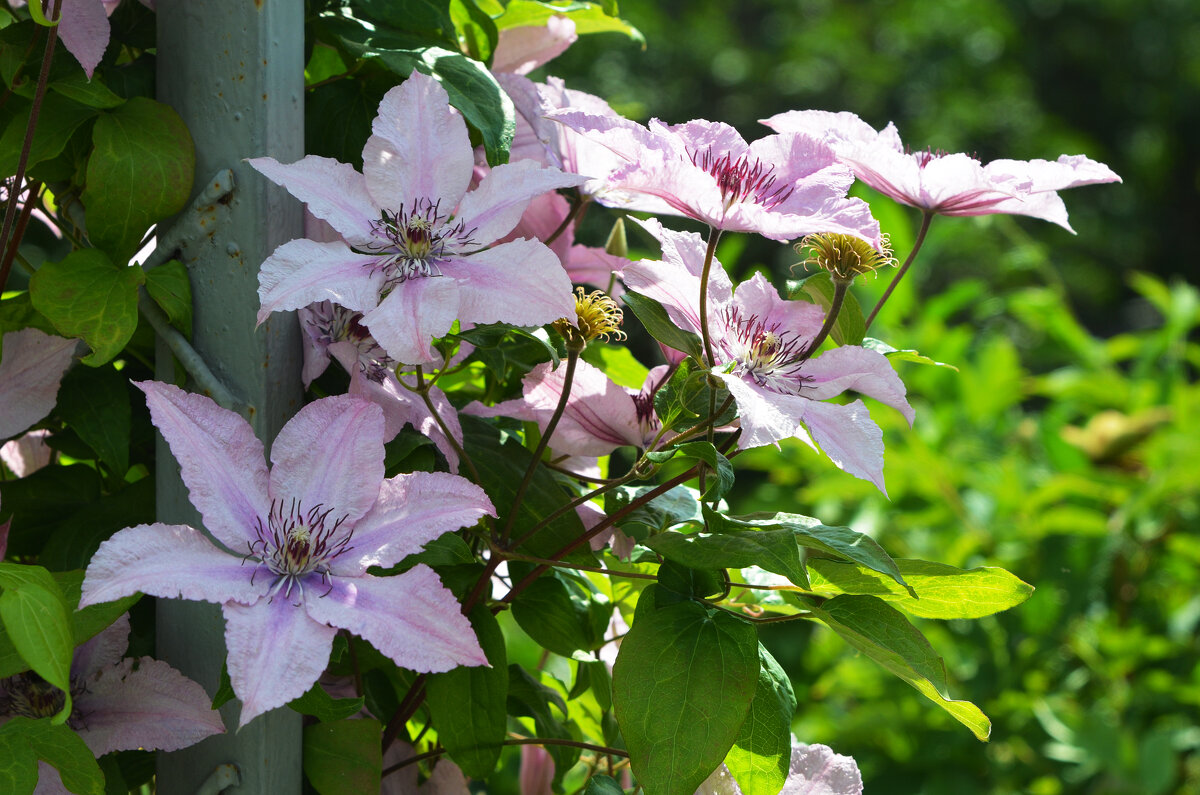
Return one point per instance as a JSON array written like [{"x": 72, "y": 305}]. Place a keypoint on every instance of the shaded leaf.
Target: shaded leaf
[
  {"x": 344, "y": 757},
  {"x": 762, "y": 754},
  {"x": 37, "y": 620},
  {"x": 850, "y": 326},
  {"x": 324, "y": 707},
  {"x": 95, "y": 403},
  {"x": 171, "y": 288},
  {"x": 658, "y": 323}
]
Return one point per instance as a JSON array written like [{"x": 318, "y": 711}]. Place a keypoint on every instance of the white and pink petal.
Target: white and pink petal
[{"x": 303, "y": 272}]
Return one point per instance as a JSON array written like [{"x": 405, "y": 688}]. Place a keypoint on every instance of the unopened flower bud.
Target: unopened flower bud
[
  {"x": 596, "y": 316},
  {"x": 844, "y": 256},
  {"x": 616, "y": 244}
]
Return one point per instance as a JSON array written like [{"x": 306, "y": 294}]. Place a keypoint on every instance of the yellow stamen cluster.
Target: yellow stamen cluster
[
  {"x": 597, "y": 316},
  {"x": 844, "y": 256}
]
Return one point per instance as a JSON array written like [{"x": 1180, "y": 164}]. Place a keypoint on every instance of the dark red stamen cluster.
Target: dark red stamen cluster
[
  {"x": 739, "y": 179},
  {"x": 297, "y": 543}
]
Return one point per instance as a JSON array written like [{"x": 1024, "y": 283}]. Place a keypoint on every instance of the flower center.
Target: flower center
[
  {"x": 769, "y": 355},
  {"x": 29, "y": 695},
  {"x": 338, "y": 324},
  {"x": 415, "y": 242},
  {"x": 297, "y": 544},
  {"x": 741, "y": 179},
  {"x": 844, "y": 256}
]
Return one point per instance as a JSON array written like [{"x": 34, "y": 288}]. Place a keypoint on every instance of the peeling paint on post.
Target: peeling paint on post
[{"x": 203, "y": 49}]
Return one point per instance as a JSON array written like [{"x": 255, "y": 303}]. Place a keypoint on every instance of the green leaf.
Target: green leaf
[
  {"x": 656, "y": 320},
  {"x": 171, "y": 288},
  {"x": 36, "y": 503},
  {"x": 428, "y": 17},
  {"x": 677, "y": 583},
  {"x": 840, "y": 541},
  {"x": 559, "y": 620},
  {"x": 224, "y": 692},
  {"x": 75, "y": 85},
  {"x": 773, "y": 550},
  {"x": 941, "y": 591},
  {"x": 682, "y": 686},
  {"x": 603, "y": 785},
  {"x": 86, "y": 295},
  {"x": 588, "y": 17},
  {"x": 680, "y": 504},
  {"x": 90, "y": 620},
  {"x": 344, "y": 757},
  {"x": 18, "y": 762},
  {"x": 501, "y": 468},
  {"x": 64, "y": 750},
  {"x": 469, "y": 704},
  {"x": 883, "y": 633},
  {"x": 57, "y": 121},
  {"x": 325, "y": 708},
  {"x": 762, "y": 754},
  {"x": 140, "y": 172},
  {"x": 37, "y": 619},
  {"x": 95, "y": 403},
  {"x": 894, "y": 354},
  {"x": 617, "y": 363},
  {"x": 531, "y": 698},
  {"x": 849, "y": 327},
  {"x": 337, "y": 117}
]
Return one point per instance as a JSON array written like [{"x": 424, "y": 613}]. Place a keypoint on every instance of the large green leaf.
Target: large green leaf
[
  {"x": 344, "y": 757},
  {"x": 560, "y": 620},
  {"x": 941, "y": 591},
  {"x": 762, "y": 754},
  {"x": 840, "y": 541},
  {"x": 469, "y": 704},
  {"x": 501, "y": 467},
  {"x": 471, "y": 87},
  {"x": 56, "y": 745},
  {"x": 704, "y": 452},
  {"x": 37, "y": 620},
  {"x": 56, "y": 123},
  {"x": 682, "y": 687},
  {"x": 773, "y": 550},
  {"x": 883, "y": 633},
  {"x": 95, "y": 403},
  {"x": 86, "y": 295},
  {"x": 140, "y": 172},
  {"x": 656, "y": 320}
]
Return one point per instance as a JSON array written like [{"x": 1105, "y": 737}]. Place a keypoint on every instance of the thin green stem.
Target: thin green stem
[
  {"x": 835, "y": 308},
  {"x": 577, "y": 206},
  {"x": 436, "y": 752},
  {"x": 926, "y": 219},
  {"x": 575, "y": 503},
  {"x": 636, "y": 575},
  {"x": 714, "y": 235},
  {"x": 568, "y": 378}
]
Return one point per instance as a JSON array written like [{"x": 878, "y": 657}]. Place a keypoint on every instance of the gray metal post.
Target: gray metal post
[{"x": 234, "y": 70}]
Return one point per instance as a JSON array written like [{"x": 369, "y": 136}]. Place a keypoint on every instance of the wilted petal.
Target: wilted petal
[
  {"x": 848, "y": 435},
  {"x": 84, "y": 31},
  {"x": 859, "y": 369},
  {"x": 31, "y": 369},
  {"x": 522, "y": 49},
  {"x": 276, "y": 652},
  {"x": 154, "y": 707},
  {"x": 169, "y": 561},
  {"x": 519, "y": 282},
  {"x": 411, "y": 618},
  {"x": 418, "y": 149},
  {"x": 330, "y": 455},
  {"x": 334, "y": 192},
  {"x": 412, "y": 510},
  {"x": 104, "y": 649},
  {"x": 303, "y": 272},
  {"x": 222, "y": 461},
  {"x": 817, "y": 770}
]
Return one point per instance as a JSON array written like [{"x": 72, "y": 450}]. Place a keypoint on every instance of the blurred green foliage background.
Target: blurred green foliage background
[{"x": 1065, "y": 448}]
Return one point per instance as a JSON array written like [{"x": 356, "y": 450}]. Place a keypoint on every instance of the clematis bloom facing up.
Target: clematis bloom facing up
[
  {"x": 119, "y": 704},
  {"x": 761, "y": 345},
  {"x": 942, "y": 183},
  {"x": 298, "y": 540},
  {"x": 417, "y": 250},
  {"x": 781, "y": 186}
]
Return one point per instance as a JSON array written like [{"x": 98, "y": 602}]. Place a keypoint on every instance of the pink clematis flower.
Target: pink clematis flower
[
  {"x": 599, "y": 417},
  {"x": 780, "y": 186},
  {"x": 119, "y": 704},
  {"x": 814, "y": 770},
  {"x": 418, "y": 252},
  {"x": 32, "y": 366},
  {"x": 947, "y": 184},
  {"x": 583, "y": 264},
  {"x": 298, "y": 540},
  {"x": 522, "y": 49},
  {"x": 332, "y": 331},
  {"x": 760, "y": 343}
]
